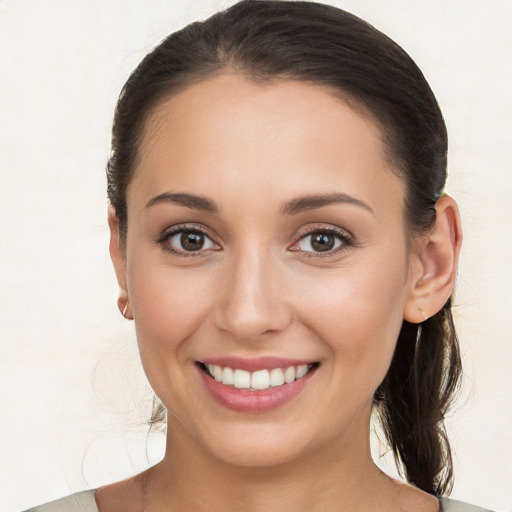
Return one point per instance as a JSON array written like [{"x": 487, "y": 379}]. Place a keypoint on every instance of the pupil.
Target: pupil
[
  {"x": 322, "y": 242},
  {"x": 192, "y": 241}
]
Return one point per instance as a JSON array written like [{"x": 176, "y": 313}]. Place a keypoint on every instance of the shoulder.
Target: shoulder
[
  {"x": 80, "y": 502},
  {"x": 448, "y": 505}
]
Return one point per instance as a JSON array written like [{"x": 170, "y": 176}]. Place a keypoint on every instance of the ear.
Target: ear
[
  {"x": 434, "y": 265},
  {"x": 118, "y": 259}
]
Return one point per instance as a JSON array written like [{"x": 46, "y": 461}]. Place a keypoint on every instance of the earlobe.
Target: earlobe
[
  {"x": 118, "y": 259},
  {"x": 436, "y": 258}
]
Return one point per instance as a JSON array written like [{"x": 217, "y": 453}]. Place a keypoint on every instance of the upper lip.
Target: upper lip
[{"x": 255, "y": 364}]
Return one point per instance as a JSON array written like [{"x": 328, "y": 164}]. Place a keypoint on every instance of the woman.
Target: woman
[{"x": 281, "y": 239}]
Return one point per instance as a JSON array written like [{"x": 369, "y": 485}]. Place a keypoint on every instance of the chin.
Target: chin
[
  {"x": 270, "y": 444},
  {"x": 258, "y": 452}
]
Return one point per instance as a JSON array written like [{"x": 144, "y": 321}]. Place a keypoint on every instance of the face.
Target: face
[{"x": 266, "y": 243}]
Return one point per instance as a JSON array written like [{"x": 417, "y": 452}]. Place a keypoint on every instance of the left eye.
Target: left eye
[
  {"x": 319, "y": 241},
  {"x": 188, "y": 240}
]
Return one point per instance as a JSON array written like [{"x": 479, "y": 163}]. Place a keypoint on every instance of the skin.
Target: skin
[{"x": 260, "y": 289}]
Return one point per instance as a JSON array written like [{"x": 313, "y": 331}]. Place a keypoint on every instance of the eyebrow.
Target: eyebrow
[
  {"x": 312, "y": 202},
  {"x": 293, "y": 207},
  {"x": 189, "y": 200}
]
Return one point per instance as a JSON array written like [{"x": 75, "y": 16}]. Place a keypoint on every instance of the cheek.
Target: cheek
[
  {"x": 358, "y": 313},
  {"x": 367, "y": 294},
  {"x": 168, "y": 304},
  {"x": 169, "y": 307}
]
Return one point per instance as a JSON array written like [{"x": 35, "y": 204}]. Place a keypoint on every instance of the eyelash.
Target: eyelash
[
  {"x": 163, "y": 240},
  {"x": 346, "y": 239},
  {"x": 343, "y": 236}
]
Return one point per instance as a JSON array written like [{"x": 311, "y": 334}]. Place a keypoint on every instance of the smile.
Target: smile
[
  {"x": 258, "y": 380},
  {"x": 258, "y": 386}
]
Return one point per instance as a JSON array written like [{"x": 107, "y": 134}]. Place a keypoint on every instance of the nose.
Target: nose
[{"x": 253, "y": 303}]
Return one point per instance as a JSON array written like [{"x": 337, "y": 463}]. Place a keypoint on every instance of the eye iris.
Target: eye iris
[
  {"x": 322, "y": 242},
  {"x": 192, "y": 240}
]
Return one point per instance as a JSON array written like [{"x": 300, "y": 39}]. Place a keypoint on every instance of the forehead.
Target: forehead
[{"x": 282, "y": 135}]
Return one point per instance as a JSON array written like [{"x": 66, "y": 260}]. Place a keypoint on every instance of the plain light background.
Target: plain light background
[{"x": 73, "y": 399}]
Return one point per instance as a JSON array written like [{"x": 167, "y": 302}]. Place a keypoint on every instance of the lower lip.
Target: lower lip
[{"x": 243, "y": 400}]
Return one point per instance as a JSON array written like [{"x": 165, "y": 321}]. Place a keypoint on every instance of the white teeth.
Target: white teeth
[
  {"x": 261, "y": 379},
  {"x": 301, "y": 371},
  {"x": 242, "y": 379},
  {"x": 217, "y": 373},
  {"x": 289, "y": 375},
  {"x": 227, "y": 376},
  {"x": 276, "y": 377}
]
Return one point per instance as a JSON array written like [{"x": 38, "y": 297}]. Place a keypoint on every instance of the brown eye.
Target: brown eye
[
  {"x": 187, "y": 241},
  {"x": 192, "y": 240},
  {"x": 321, "y": 241}
]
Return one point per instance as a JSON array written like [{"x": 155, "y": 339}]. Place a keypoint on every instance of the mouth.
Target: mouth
[
  {"x": 259, "y": 380},
  {"x": 267, "y": 387}
]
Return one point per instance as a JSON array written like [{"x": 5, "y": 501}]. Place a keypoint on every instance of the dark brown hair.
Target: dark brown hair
[{"x": 320, "y": 44}]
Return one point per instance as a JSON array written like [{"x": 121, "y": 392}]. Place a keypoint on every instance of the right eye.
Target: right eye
[{"x": 186, "y": 240}]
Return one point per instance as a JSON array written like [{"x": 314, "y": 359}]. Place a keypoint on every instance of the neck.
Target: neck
[{"x": 340, "y": 476}]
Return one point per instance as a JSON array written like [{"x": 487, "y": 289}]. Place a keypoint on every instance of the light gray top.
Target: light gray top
[
  {"x": 448, "y": 505},
  {"x": 84, "y": 502},
  {"x": 80, "y": 502}
]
